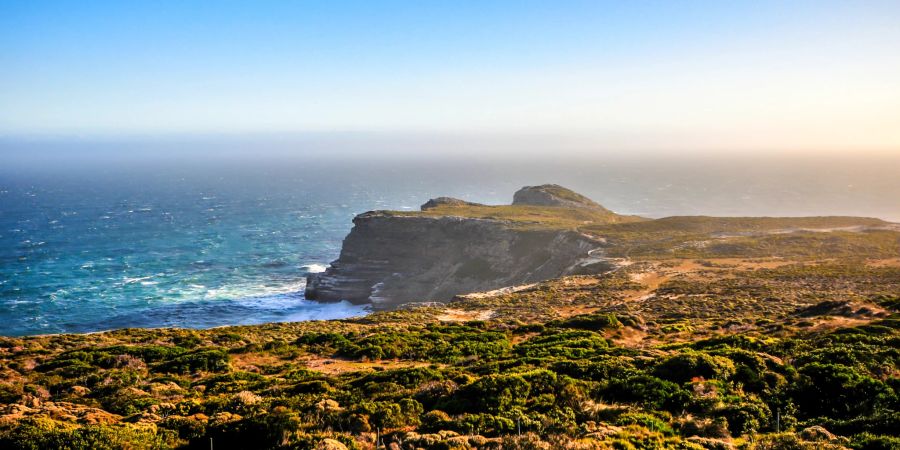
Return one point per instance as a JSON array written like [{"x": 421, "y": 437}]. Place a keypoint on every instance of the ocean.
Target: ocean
[{"x": 190, "y": 243}]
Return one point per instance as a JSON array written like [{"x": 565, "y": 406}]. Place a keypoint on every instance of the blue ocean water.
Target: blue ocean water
[
  {"x": 160, "y": 249},
  {"x": 191, "y": 244},
  {"x": 96, "y": 247}
]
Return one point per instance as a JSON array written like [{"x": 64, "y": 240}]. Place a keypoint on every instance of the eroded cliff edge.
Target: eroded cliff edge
[{"x": 453, "y": 247}]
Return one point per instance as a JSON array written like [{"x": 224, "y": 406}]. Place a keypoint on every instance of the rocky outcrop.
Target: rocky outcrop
[
  {"x": 446, "y": 201},
  {"x": 456, "y": 247},
  {"x": 392, "y": 259},
  {"x": 553, "y": 195}
]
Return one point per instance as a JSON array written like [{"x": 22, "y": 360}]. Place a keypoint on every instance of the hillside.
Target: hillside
[
  {"x": 453, "y": 247},
  {"x": 672, "y": 353},
  {"x": 774, "y": 333}
]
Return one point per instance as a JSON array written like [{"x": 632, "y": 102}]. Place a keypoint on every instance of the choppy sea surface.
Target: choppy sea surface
[{"x": 189, "y": 244}]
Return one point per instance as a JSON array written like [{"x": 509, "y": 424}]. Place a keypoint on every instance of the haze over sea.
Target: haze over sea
[{"x": 152, "y": 242}]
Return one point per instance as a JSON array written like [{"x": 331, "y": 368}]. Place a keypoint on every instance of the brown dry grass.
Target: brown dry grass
[{"x": 337, "y": 366}]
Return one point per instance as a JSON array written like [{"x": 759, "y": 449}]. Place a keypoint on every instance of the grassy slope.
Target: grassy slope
[
  {"x": 649, "y": 356},
  {"x": 524, "y": 216},
  {"x": 668, "y": 352}
]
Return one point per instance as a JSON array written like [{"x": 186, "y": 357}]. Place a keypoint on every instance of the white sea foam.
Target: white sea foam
[
  {"x": 314, "y": 268},
  {"x": 326, "y": 311},
  {"x": 128, "y": 280},
  {"x": 252, "y": 291}
]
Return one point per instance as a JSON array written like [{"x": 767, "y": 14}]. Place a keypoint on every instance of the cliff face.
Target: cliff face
[{"x": 391, "y": 259}]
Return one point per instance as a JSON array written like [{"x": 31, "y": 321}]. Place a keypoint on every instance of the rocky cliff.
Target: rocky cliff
[
  {"x": 454, "y": 247},
  {"x": 553, "y": 195}
]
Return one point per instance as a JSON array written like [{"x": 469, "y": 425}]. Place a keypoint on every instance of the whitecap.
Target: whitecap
[
  {"x": 314, "y": 268},
  {"x": 255, "y": 291},
  {"x": 128, "y": 280}
]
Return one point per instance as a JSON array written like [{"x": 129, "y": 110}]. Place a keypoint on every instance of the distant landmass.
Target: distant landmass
[{"x": 452, "y": 246}]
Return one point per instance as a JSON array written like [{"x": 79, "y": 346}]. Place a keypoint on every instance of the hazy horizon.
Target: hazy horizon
[{"x": 591, "y": 77}]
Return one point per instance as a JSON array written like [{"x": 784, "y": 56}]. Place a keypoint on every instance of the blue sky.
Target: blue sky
[{"x": 755, "y": 74}]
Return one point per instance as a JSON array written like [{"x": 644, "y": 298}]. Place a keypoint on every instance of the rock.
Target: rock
[
  {"x": 330, "y": 444},
  {"x": 390, "y": 259},
  {"x": 328, "y": 405},
  {"x": 710, "y": 443},
  {"x": 553, "y": 195},
  {"x": 446, "y": 201},
  {"x": 79, "y": 391},
  {"x": 246, "y": 398},
  {"x": 817, "y": 433}
]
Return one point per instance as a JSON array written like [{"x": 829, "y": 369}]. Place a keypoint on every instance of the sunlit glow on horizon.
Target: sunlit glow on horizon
[{"x": 798, "y": 77}]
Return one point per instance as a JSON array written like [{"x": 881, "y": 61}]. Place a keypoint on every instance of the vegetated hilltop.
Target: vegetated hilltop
[
  {"x": 452, "y": 246},
  {"x": 683, "y": 346}
]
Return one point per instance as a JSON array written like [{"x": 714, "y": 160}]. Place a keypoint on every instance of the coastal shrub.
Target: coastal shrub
[
  {"x": 127, "y": 401},
  {"x": 309, "y": 387},
  {"x": 70, "y": 368},
  {"x": 741, "y": 341},
  {"x": 869, "y": 441},
  {"x": 492, "y": 393},
  {"x": 435, "y": 420},
  {"x": 780, "y": 441},
  {"x": 407, "y": 377},
  {"x": 439, "y": 343},
  {"x": 570, "y": 344},
  {"x": 598, "y": 368},
  {"x": 648, "y": 421},
  {"x": 235, "y": 382},
  {"x": 686, "y": 366},
  {"x": 209, "y": 360},
  {"x": 750, "y": 369},
  {"x": 187, "y": 339},
  {"x": 10, "y": 392},
  {"x": 277, "y": 429},
  {"x": 385, "y": 415},
  {"x": 839, "y": 391},
  {"x": 866, "y": 354},
  {"x": 483, "y": 424},
  {"x": 148, "y": 353},
  {"x": 46, "y": 434},
  {"x": 882, "y": 422},
  {"x": 592, "y": 322},
  {"x": 648, "y": 391},
  {"x": 187, "y": 428},
  {"x": 745, "y": 417}
]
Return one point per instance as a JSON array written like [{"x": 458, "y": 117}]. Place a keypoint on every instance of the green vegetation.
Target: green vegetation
[
  {"x": 524, "y": 216},
  {"x": 754, "y": 351},
  {"x": 750, "y": 237},
  {"x": 749, "y": 375}
]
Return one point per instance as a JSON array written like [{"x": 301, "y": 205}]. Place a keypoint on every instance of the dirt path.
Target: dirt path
[
  {"x": 459, "y": 315},
  {"x": 336, "y": 366}
]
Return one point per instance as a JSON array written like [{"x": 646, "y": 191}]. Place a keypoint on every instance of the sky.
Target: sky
[{"x": 783, "y": 76}]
